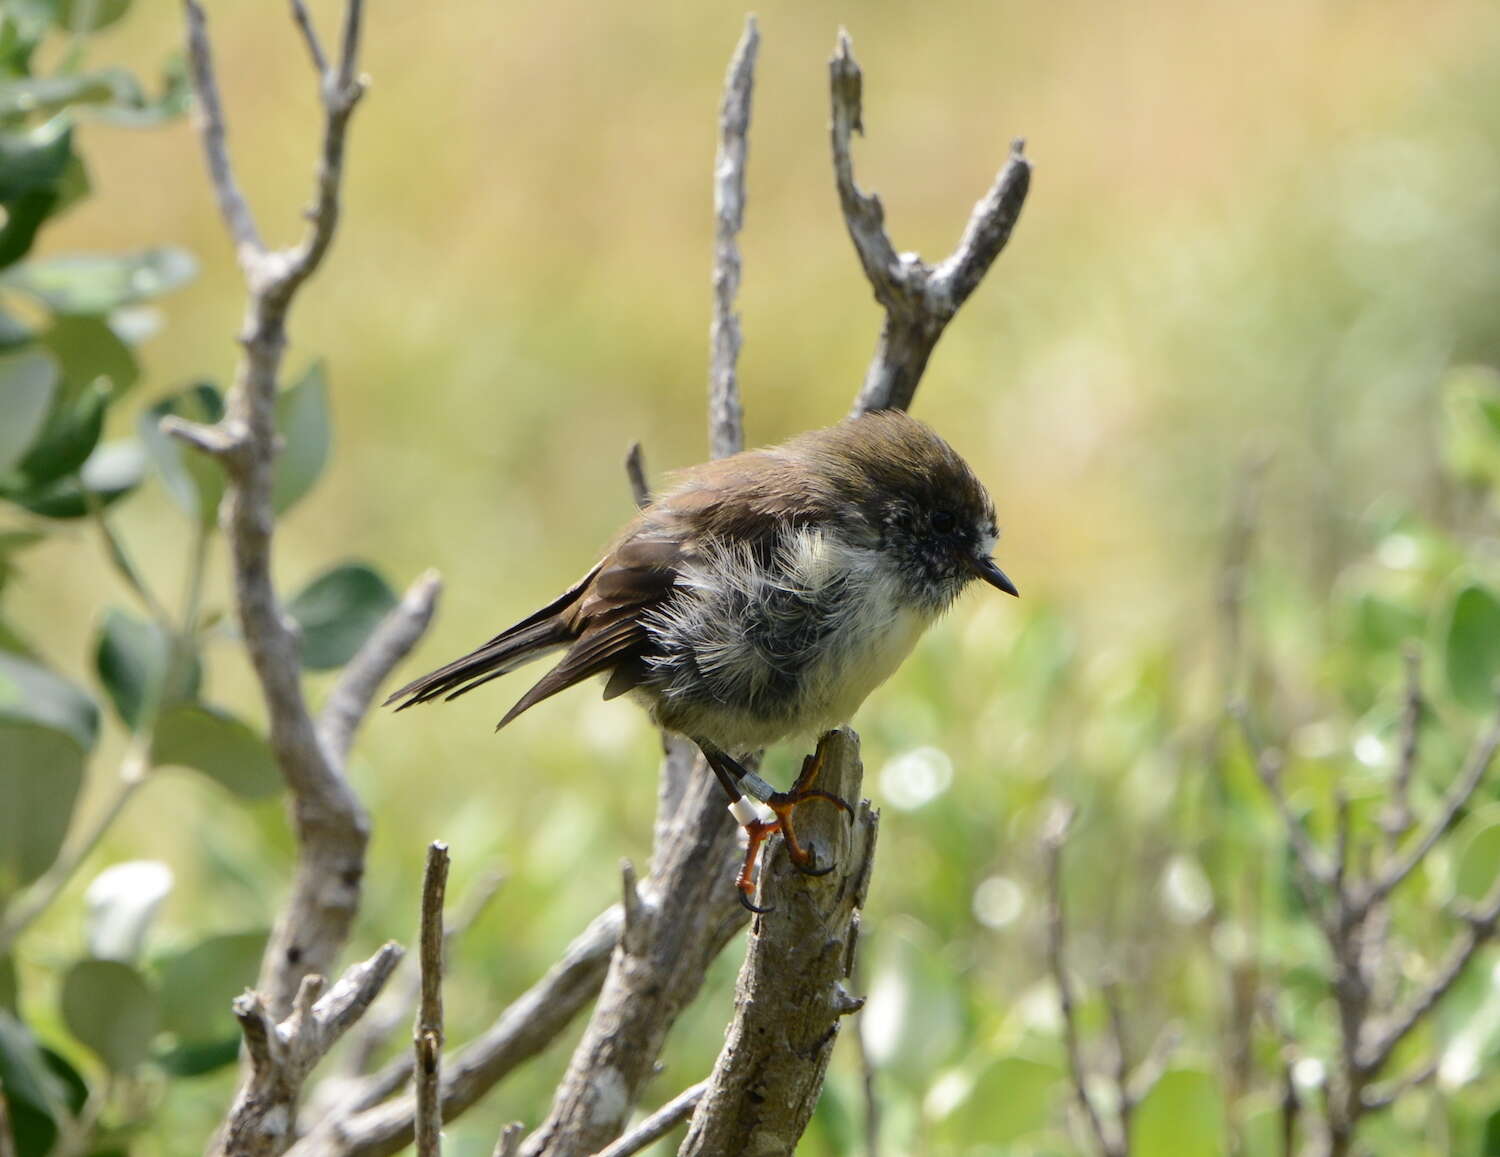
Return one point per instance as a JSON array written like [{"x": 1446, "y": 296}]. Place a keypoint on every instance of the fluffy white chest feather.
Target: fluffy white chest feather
[{"x": 751, "y": 655}]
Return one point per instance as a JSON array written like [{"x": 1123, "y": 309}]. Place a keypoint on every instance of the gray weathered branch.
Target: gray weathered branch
[
  {"x": 726, "y": 417},
  {"x": 919, "y": 299},
  {"x": 791, "y": 993},
  {"x": 367, "y": 1125},
  {"x": 658, "y": 1124},
  {"x": 263, "y": 1119},
  {"x": 388, "y": 644}
]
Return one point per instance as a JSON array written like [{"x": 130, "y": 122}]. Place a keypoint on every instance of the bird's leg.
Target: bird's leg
[
  {"x": 783, "y": 803},
  {"x": 730, "y": 774}
]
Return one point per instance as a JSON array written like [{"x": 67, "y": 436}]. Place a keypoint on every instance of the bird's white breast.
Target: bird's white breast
[{"x": 754, "y": 654}]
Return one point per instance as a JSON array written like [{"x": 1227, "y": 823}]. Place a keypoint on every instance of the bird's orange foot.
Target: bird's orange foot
[{"x": 783, "y": 804}]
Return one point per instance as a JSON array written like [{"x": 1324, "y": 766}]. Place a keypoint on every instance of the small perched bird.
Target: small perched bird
[{"x": 762, "y": 597}]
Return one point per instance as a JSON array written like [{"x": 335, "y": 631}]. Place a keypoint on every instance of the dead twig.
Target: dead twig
[
  {"x": 427, "y": 1035},
  {"x": 919, "y": 299}
]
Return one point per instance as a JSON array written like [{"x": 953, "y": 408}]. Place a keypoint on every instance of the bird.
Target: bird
[{"x": 761, "y": 598}]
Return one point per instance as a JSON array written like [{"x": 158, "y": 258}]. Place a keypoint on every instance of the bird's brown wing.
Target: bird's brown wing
[
  {"x": 607, "y": 621},
  {"x": 531, "y": 638}
]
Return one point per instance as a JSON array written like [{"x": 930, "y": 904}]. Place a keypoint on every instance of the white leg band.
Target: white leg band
[{"x": 745, "y": 811}]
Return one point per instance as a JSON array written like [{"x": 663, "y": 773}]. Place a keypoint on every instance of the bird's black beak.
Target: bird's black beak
[{"x": 986, "y": 569}]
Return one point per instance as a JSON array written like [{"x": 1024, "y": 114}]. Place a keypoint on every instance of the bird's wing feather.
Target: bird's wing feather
[{"x": 534, "y": 636}]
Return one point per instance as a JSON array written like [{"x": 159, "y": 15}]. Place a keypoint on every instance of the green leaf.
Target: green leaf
[
  {"x": 112, "y": 471},
  {"x": 96, "y": 284},
  {"x": 111, "y": 1008},
  {"x": 28, "y": 383},
  {"x": 222, "y": 747},
  {"x": 35, "y": 169},
  {"x": 1182, "y": 1116},
  {"x": 302, "y": 420},
  {"x": 195, "y": 481},
  {"x": 35, "y": 159},
  {"x": 132, "y": 657},
  {"x": 337, "y": 611},
  {"x": 198, "y": 984},
  {"x": 41, "y": 772},
  {"x": 88, "y": 348},
  {"x": 195, "y": 1058},
  {"x": 31, "y": 1092},
  {"x": 69, "y": 437},
  {"x": 29, "y": 691},
  {"x": 1470, "y": 640},
  {"x": 9, "y": 987}
]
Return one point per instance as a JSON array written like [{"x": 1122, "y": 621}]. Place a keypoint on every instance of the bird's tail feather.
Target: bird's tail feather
[{"x": 537, "y": 635}]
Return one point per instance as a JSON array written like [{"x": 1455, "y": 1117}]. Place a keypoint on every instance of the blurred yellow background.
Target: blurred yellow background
[{"x": 1252, "y": 228}]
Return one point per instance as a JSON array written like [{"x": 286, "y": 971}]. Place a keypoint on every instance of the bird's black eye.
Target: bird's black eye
[{"x": 943, "y": 521}]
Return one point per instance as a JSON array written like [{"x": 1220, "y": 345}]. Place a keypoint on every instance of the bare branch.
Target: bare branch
[
  {"x": 689, "y": 912},
  {"x": 340, "y": 95},
  {"x": 232, "y": 204},
  {"x": 427, "y": 1039},
  {"x": 1399, "y": 867},
  {"x": 364, "y": 1127},
  {"x": 1480, "y": 927},
  {"x": 726, "y": 418},
  {"x": 1397, "y": 819},
  {"x": 1313, "y": 866},
  {"x": 635, "y": 471},
  {"x": 392, "y": 1011},
  {"x": 310, "y": 38},
  {"x": 508, "y": 1144},
  {"x": 331, "y": 825},
  {"x": 658, "y": 1124},
  {"x": 919, "y": 299},
  {"x": 1054, "y": 837},
  {"x": 390, "y": 642},
  {"x": 263, "y": 1120},
  {"x": 1390, "y": 1092},
  {"x": 988, "y": 230},
  {"x": 791, "y": 994}
]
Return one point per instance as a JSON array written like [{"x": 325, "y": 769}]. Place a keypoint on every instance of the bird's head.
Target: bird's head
[{"x": 932, "y": 518}]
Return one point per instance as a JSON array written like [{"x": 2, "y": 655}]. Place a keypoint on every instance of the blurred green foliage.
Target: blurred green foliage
[{"x": 1262, "y": 230}]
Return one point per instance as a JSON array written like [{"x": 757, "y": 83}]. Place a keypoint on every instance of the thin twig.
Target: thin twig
[
  {"x": 362, "y": 676},
  {"x": 1119, "y": 1038},
  {"x": 508, "y": 1144},
  {"x": 310, "y": 38},
  {"x": 232, "y": 204},
  {"x": 392, "y": 1011},
  {"x": 427, "y": 1039},
  {"x": 1053, "y": 839},
  {"x": 1313, "y": 868},
  {"x": 365, "y": 1127},
  {"x": 726, "y": 418},
  {"x": 1401, "y": 866},
  {"x": 1397, "y": 819},
  {"x": 658, "y": 1124},
  {"x": 1480, "y": 928}
]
